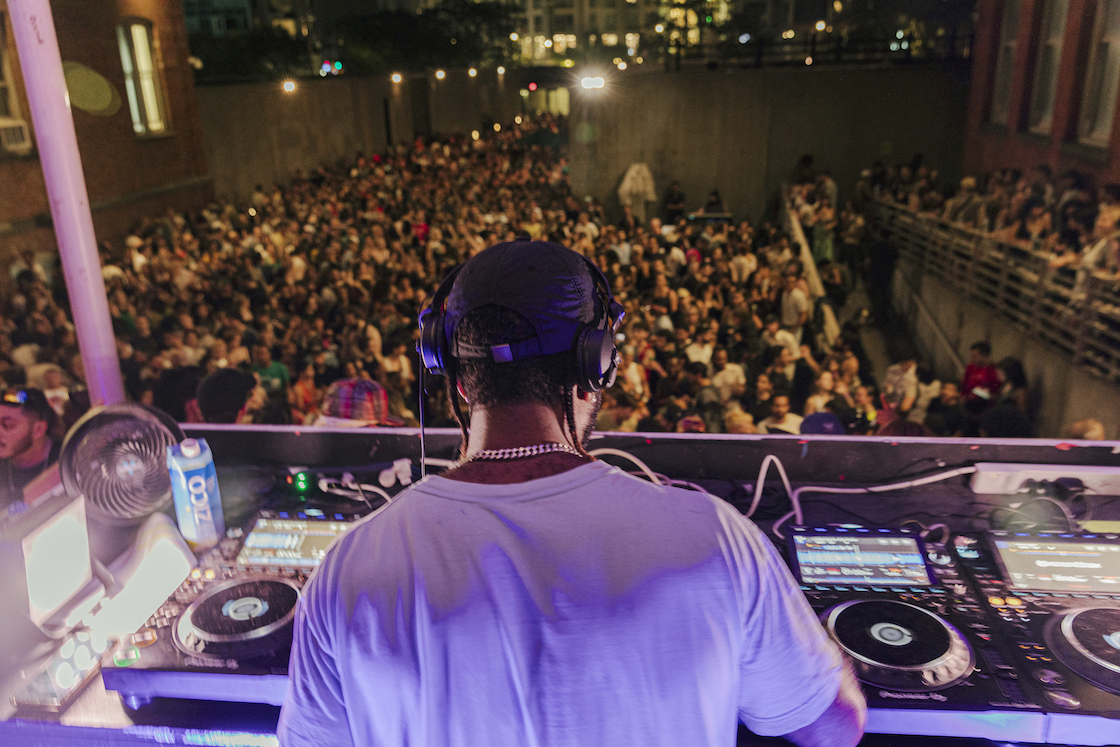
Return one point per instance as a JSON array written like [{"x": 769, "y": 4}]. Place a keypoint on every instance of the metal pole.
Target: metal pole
[{"x": 41, "y": 61}]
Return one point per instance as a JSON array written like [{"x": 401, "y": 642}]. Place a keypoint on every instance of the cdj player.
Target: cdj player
[
  {"x": 916, "y": 633},
  {"x": 1055, "y": 597},
  {"x": 226, "y": 633}
]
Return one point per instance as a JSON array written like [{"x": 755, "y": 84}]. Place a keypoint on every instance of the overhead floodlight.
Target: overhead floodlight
[{"x": 595, "y": 82}]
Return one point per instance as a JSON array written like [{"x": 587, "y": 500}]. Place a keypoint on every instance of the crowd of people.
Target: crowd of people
[
  {"x": 300, "y": 307},
  {"x": 1063, "y": 217}
]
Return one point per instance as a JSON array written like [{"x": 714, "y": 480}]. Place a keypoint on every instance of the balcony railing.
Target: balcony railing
[{"x": 1076, "y": 311}]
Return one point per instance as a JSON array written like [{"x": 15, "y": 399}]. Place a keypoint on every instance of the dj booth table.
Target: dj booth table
[{"x": 253, "y": 464}]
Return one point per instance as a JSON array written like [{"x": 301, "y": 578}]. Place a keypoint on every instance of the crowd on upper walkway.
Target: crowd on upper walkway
[{"x": 1065, "y": 218}]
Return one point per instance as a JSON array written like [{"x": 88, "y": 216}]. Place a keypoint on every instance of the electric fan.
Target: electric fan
[{"x": 116, "y": 456}]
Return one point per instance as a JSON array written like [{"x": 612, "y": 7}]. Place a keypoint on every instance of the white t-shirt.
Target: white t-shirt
[{"x": 585, "y": 608}]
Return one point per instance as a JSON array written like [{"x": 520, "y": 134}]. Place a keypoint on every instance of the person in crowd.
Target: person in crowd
[
  {"x": 946, "y": 415},
  {"x": 781, "y": 419},
  {"x": 230, "y": 396},
  {"x": 540, "y": 618},
  {"x": 981, "y": 384},
  {"x": 1089, "y": 429},
  {"x": 29, "y": 441}
]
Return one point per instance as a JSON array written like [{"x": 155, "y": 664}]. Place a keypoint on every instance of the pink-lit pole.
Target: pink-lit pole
[{"x": 41, "y": 61}]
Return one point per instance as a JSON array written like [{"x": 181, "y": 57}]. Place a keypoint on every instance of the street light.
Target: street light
[
  {"x": 501, "y": 70},
  {"x": 472, "y": 72},
  {"x": 397, "y": 77},
  {"x": 289, "y": 86},
  {"x": 659, "y": 28},
  {"x": 440, "y": 75},
  {"x": 590, "y": 83},
  {"x": 821, "y": 25}
]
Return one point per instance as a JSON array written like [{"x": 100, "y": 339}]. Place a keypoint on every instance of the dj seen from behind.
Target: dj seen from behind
[
  {"x": 535, "y": 596},
  {"x": 29, "y": 443}
]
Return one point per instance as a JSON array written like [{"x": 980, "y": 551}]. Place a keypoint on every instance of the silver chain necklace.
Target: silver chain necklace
[{"x": 520, "y": 452}]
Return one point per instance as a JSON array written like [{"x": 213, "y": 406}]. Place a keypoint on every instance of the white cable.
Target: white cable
[
  {"x": 435, "y": 462},
  {"x": 326, "y": 485},
  {"x": 770, "y": 459},
  {"x": 689, "y": 485},
  {"x": 795, "y": 497},
  {"x": 626, "y": 455}
]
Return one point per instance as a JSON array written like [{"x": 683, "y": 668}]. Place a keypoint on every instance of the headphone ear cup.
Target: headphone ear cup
[
  {"x": 596, "y": 359},
  {"x": 432, "y": 343}
]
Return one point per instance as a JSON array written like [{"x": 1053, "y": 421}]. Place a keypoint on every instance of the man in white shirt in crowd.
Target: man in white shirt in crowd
[{"x": 535, "y": 596}]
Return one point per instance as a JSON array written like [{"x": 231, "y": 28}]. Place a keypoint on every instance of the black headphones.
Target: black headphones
[{"x": 596, "y": 356}]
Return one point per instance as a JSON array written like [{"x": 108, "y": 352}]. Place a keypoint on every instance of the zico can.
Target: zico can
[{"x": 194, "y": 485}]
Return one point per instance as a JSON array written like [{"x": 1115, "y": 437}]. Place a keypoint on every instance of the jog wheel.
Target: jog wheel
[
  {"x": 899, "y": 646},
  {"x": 1088, "y": 642},
  {"x": 238, "y": 619}
]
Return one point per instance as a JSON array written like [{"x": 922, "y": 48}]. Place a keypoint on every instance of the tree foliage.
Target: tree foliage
[{"x": 454, "y": 33}]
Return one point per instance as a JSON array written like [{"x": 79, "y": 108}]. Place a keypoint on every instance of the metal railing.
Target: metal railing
[{"x": 1075, "y": 311}]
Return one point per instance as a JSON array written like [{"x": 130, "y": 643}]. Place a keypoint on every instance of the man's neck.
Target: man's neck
[
  {"x": 35, "y": 455},
  {"x": 510, "y": 426}
]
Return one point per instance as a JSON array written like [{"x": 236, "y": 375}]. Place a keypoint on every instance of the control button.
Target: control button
[
  {"x": 196, "y": 573},
  {"x": 1014, "y": 601},
  {"x": 995, "y": 601},
  {"x": 939, "y": 558},
  {"x": 209, "y": 574},
  {"x": 143, "y": 638},
  {"x": 1062, "y": 699},
  {"x": 1048, "y": 677}
]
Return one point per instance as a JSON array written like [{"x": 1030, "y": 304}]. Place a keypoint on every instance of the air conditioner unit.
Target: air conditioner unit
[{"x": 15, "y": 136}]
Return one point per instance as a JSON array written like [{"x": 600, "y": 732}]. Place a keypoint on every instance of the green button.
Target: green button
[{"x": 126, "y": 657}]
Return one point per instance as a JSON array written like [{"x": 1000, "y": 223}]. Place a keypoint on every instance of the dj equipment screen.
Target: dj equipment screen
[
  {"x": 1051, "y": 564},
  {"x": 289, "y": 542},
  {"x": 883, "y": 561}
]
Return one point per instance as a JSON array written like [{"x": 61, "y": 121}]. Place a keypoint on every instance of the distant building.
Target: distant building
[
  {"x": 1045, "y": 79},
  {"x": 133, "y": 101},
  {"x": 218, "y": 17}
]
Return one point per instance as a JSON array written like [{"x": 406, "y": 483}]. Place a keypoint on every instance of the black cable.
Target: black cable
[{"x": 420, "y": 407}]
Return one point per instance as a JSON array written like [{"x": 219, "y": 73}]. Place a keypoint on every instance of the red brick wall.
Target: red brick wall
[
  {"x": 117, "y": 163},
  {"x": 989, "y": 146}
]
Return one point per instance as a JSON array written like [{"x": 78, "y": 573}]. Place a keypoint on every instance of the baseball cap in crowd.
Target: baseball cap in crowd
[
  {"x": 548, "y": 284},
  {"x": 222, "y": 394},
  {"x": 29, "y": 400},
  {"x": 355, "y": 403},
  {"x": 822, "y": 423}
]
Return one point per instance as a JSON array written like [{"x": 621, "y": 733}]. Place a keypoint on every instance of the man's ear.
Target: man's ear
[
  {"x": 39, "y": 429},
  {"x": 583, "y": 395}
]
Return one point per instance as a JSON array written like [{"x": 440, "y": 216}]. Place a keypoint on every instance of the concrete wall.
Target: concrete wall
[
  {"x": 944, "y": 324},
  {"x": 258, "y": 134},
  {"x": 743, "y": 131}
]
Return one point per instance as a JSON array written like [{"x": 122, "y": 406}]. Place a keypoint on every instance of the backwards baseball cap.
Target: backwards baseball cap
[
  {"x": 549, "y": 285},
  {"x": 29, "y": 400}
]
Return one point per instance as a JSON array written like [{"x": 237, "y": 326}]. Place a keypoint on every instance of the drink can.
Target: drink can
[{"x": 194, "y": 486}]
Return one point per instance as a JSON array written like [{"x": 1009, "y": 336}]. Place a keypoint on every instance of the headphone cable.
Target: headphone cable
[{"x": 420, "y": 407}]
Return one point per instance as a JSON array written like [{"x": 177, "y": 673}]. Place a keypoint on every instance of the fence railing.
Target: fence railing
[
  {"x": 812, "y": 48},
  {"x": 1076, "y": 311}
]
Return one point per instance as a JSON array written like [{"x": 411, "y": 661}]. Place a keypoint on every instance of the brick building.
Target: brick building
[
  {"x": 1045, "y": 79},
  {"x": 133, "y": 101}
]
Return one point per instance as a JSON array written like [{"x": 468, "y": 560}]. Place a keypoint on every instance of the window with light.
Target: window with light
[{"x": 142, "y": 81}]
